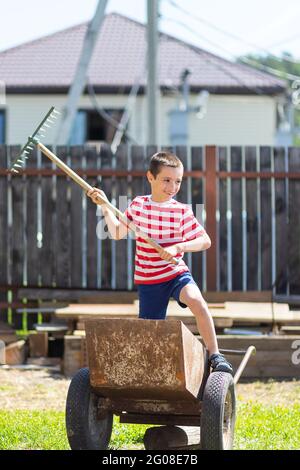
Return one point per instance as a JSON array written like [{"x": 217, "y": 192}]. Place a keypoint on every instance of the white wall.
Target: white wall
[{"x": 230, "y": 120}]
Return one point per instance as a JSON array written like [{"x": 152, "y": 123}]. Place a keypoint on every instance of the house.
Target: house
[{"x": 241, "y": 108}]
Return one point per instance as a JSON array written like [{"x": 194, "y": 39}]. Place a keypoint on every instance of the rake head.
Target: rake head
[{"x": 34, "y": 139}]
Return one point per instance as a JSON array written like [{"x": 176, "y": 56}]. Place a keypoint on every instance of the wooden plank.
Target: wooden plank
[
  {"x": 181, "y": 152},
  {"x": 121, "y": 186},
  {"x": 33, "y": 255},
  {"x": 211, "y": 209},
  {"x": 237, "y": 224},
  {"x": 294, "y": 224},
  {"x": 266, "y": 219},
  {"x": 139, "y": 186},
  {"x": 197, "y": 201},
  {"x": 3, "y": 220},
  {"x": 172, "y": 437},
  {"x": 63, "y": 233},
  {"x": 76, "y": 220},
  {"x": 15, "y": 353},
  {"x": 38, "y": 344},
  {"x": 47, "y": 250},
  {"x": 92, "y": 220},
  {"x": 261, "y": 343},
  {"x": 18, "y": 222},
  {"x": 252, "y": 221},
  {"x": 106, "y": 186},
  {"x": 222, "y": 225},
  {"x": 72, "y": 359},
  {"x": 281, "y": 208}
]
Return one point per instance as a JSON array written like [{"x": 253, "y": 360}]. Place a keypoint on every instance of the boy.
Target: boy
[{"x": 174, "y": 226}]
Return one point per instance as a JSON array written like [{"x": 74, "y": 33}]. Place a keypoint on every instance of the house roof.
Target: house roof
[{"x": 48, "y": 64}]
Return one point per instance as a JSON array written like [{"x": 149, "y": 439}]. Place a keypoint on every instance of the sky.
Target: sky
[{"x": 259, "y": 25}]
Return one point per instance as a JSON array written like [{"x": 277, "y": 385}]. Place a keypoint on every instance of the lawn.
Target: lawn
[{"x": 258, "y": 427}]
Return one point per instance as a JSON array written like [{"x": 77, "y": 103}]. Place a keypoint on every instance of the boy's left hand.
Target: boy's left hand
[{"x": 168, "y": 253}]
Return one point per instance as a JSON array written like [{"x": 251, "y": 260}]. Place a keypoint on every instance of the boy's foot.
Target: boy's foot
[{"x": 220, "y": 364}]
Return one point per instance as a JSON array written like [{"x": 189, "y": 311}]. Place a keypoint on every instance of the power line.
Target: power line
[
  {"x": 251, "y": 62},
  {"x": 228, "y": 34},
  {"x": 255, "y": 89}
]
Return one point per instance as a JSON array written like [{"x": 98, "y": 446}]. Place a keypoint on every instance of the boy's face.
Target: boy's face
[{"x": 166, "y": 184}]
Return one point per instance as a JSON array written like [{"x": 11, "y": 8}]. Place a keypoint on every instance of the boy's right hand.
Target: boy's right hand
[{"x": 93, "y": 194}]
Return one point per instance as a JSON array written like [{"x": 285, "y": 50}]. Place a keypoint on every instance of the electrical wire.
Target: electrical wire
[
  {"x": 208, "y": 59},
  {"x": 252, "y": 62},
  {"x": 231, "y": 35}
]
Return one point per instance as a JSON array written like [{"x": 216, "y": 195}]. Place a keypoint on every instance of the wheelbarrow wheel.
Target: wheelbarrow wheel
[
  {"x": 84, "y": 430},
  {"x": 218, "y": 412}
]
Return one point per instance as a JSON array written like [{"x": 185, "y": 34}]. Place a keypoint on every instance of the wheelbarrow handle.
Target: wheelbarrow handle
[
  {"x": 66, "y": 169},
  {"x": 250, "y": 351}
]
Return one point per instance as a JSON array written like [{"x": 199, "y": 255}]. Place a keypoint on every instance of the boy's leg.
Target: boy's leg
[{"x": 191, "y": 296}]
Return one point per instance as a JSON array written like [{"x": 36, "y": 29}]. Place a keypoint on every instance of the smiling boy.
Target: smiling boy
[{"x": 174, "y": 227}]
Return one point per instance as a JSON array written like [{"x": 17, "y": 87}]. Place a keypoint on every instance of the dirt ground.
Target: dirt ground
[{"x": 41, "y": 389}]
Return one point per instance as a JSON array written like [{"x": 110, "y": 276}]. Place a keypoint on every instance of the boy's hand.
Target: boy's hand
[
  {"x": 93, "y": 194},
  {"x": 169, "y": 253}
]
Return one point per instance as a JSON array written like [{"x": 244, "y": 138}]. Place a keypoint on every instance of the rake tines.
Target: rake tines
[{"x": 34, "y": 139}]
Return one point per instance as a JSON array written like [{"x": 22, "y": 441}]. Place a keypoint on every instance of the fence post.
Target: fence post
[{"x": 211, "y": 207}]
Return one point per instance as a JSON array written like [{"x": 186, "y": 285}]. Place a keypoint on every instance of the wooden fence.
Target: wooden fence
[{"x": 251, "y": 198}]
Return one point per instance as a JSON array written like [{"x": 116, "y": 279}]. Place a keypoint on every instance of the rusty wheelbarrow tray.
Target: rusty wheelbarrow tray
[{"x": 149, "y": 372}]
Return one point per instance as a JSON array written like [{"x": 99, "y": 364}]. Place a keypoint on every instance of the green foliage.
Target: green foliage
[
  {"x": 261, "y": 427},
  {"x": 257, "y": 427},
  {"x": 281, "y": 63}
]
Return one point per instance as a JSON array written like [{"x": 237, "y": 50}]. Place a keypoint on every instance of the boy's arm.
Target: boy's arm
[
  {"x": 117, "y": 229},
  {"x": 201, "y": 243}
]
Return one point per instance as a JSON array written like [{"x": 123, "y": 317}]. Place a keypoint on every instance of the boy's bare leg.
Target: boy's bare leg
[{"x": 192, "y": 297}]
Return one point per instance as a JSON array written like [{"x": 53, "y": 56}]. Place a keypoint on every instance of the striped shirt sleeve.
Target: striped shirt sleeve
[
  {"x": 128, "y": 212},
  {"x": 190, "y": 227}
]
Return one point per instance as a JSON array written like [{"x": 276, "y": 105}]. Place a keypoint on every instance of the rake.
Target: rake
[{"x": 34, "y": 140}]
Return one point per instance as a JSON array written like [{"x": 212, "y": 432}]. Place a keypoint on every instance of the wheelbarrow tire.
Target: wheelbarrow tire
[
  {"x": 84, "y": 430},
  {"x": 218, "y": 412}
]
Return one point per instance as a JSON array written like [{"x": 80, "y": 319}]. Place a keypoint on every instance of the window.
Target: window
[
  {"x": 89, "y": 126},
  {"x": 2, "y": 127}
]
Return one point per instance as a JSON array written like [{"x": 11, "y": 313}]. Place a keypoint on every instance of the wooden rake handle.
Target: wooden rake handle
[{"x": 87, "y": 187}]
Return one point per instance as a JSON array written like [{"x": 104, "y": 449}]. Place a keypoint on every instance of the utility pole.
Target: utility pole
[
  {"x": 80, "y": 77},
  {"x": 152, "y": 79}
]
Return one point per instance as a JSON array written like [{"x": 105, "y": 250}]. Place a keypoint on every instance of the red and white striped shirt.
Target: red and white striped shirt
[{"x": 167, "y": 223}]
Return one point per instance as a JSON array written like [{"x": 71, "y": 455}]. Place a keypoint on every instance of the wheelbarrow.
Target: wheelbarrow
[{"x": 152, "y": 372}]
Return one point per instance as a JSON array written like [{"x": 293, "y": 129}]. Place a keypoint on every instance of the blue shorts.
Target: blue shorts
[{"x": 154, "y": 298}]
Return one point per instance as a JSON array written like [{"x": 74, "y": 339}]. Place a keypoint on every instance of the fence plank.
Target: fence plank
[
  {"x": 47, "y": 251},
  {"x": 183, "y": 196},
  {"x": 139, "y": 162},
  {"x": 4, "y": 219},
  {"x": 62, "y": 226},
  {"x": 236, "y": 221},
  {"x": 4, "y": 248},
  {"x": 266, "y": 220},
  {"x": 18, "y": 223},
  {"x": 121, "y": 187},
  {"x": 92, "y": 162},
  {"x": 33, "y": 258},
  {"x": 252, "y": 220},
  {"x": 76, "y": 220},
  {"x": 211, "y": 204},
  {"x": 294, "y": 224},
  {"x": 222, "y": 230},
  {"x": 106, "y": 186},
  {"x": 197, "y": 201},
  {"x": 281, "y": 205}
]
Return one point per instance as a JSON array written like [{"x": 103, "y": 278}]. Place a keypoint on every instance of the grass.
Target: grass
[{"x": 257, "y": 427}]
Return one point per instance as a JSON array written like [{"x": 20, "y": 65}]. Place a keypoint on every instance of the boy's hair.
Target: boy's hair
[{"x": 160, "y": 159}]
